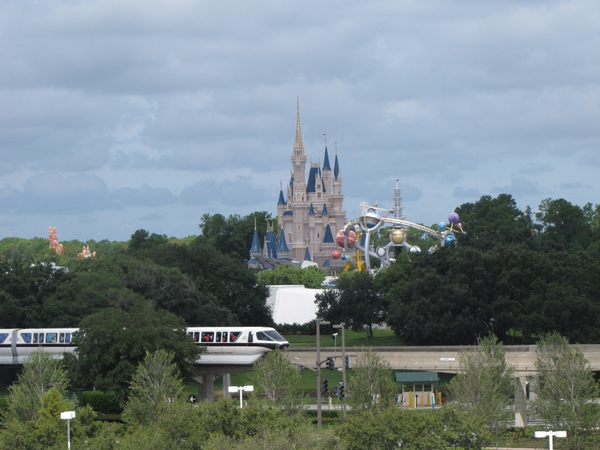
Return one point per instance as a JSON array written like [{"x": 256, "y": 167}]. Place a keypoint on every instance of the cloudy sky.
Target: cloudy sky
[{"x": 121, "y": 115}]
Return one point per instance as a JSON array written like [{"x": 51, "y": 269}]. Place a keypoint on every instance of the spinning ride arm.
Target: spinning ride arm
[{"x": 350, "y": 237}]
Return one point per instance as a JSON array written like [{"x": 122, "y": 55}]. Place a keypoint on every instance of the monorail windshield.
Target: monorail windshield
[{"x": 269, "y": 335}]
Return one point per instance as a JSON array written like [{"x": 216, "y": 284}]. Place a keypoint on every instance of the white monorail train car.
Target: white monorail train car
[
  {"x": 235, "y": 345},
  {"x": 17, "y": 344},
  {"x": 224, "y": 345}
]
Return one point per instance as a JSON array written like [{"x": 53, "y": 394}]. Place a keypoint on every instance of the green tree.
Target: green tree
[
  {"x": 169, "y": 289},
  {"x": 311, "y": 277},
  {"x": 178, "y": 425},
  {"x": 564, "y": 224},
  {"x": 142, "y": 239},
  {"x": 493, "y": 221},
  {"x": 484, "y": 384},
  {"x": 356, "y": 302},
  {"x": 155, "y": 384},
  {"x": 284, "y": 274},
  {"x": 566, "y": 391},
  {"x": 94, "y": 284},
  {"x": 564, "y": 296},
  {"x": 13, "y": 248},
  {"x": 41, "y": 372},
  {"x": 446, "y": 299},
  {"x": 371, "y": 387},
  {"x": 222, "y": 424},
  {"x": 276, "y": 378},
  {"x": 24, "y": 287},
  {"x": 46, "y": 431},
  {"x": 391, "y": 429},
  {"x": 114, "y": 341},
  {"x": 31, "y": 420},
  {"x": 240, "y": 300},
  {"x": 233, "y": 235},
  {"x": 463, "y": 429}
]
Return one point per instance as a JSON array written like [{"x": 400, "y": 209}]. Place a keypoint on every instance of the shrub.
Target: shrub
[{"x": 102, "y": 402}]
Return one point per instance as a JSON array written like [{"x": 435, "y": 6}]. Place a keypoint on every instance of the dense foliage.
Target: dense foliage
[
  {"x": 188, "y": 278},
  {"x": 513, "y": 274},
  {"x": 311, "y": 277}
]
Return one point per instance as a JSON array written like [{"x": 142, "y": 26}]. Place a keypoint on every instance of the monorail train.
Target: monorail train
[{"x": 224, "y": 345}]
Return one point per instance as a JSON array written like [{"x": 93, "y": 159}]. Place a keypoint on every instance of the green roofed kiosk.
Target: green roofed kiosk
[{"x": 426, "y": 396}]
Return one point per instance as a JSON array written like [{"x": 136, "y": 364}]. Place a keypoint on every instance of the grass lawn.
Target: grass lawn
[{"x": 382, "y": 337}]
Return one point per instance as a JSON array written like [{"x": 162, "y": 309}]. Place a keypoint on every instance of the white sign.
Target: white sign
[
  {"x": 543, "y": 434},
  {"x": 550, "y": 435},
  {"x": 447, "y": 359},
  {"x": 241, "y": 390},
  {"x": 67, "y": 415}
]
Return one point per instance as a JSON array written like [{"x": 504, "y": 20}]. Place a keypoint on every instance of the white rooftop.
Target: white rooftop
[{"x": 292, "y": 303}]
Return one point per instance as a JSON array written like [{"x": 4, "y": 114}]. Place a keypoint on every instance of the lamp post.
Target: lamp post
[
  {"x": 68, "y": 415},
  {"x": 335, "y": 335},
  {"x": 241, "y": 390},
  {"x": 319, "y": 413}
]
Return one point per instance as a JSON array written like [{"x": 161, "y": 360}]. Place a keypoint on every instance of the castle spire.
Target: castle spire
[
  {"x": 336, "y": 165},
  {"x": 298, "y": 162},
  {"x": 298, "y": 142},
  {"x": 255, "y": 249},
  {"x": 326, "y": 165}
]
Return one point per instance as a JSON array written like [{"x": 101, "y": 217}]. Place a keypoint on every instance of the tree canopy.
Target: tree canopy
[
  {"x": 355, "y": 301},
  {"x": 111, "y": 343},
  {"x": 509, "y": 275}
]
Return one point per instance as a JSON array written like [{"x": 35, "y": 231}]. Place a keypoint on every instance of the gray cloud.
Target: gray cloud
[{"x": 116, "y": 110}]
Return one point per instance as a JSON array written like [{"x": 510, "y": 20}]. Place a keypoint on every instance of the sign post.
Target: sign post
[{"x": 550, "y": 435}]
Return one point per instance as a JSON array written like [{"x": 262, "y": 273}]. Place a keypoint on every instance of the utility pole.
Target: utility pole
[
  {"x": 342, "y": 326},
  {"x": 319, "y": 413}
]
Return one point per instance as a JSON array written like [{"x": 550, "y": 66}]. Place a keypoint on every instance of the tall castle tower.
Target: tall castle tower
[{"x": 313, "y": 212}]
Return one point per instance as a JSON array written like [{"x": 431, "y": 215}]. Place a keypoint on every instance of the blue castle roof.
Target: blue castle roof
[
  {"x": 328, "y": 238},
  {"x": 255, "y": 245},
  {"x": 326, "y": 165}
]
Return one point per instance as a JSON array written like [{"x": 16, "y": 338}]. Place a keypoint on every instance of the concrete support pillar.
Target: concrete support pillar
[
  {"x": 521, "y": 401},
  {"x": 226, "y": 384},
  {"x": 206, "y": 386}
]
